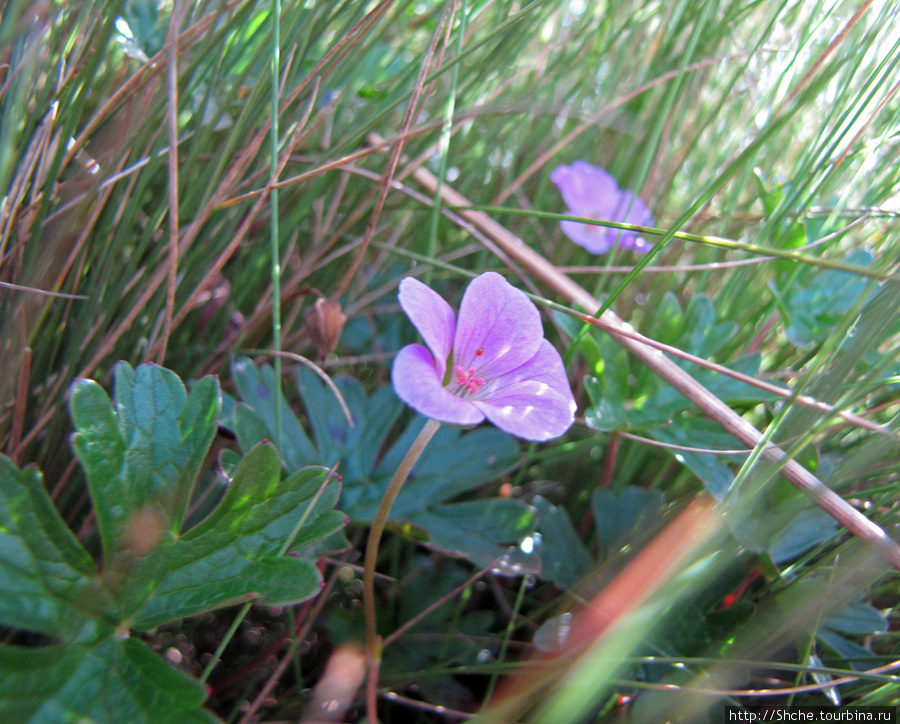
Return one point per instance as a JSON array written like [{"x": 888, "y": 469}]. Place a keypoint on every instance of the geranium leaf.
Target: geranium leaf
[
  {"x": 230, "y": 556},
  {"x": 857, "y": 618},
  {"x": 147, "y": 452},
  {"x": 111, "y": 681},
  {"x": 564, "y": 559},
  {"x": 806, "y": 530},
  {"x": 455, "y": 462},
  {"x": 141, "y": 458},
  {"x": 45, "y": 575},
  {"x": 619, "y": 515},
  {"x": 487, "y": 532},
  {"x": 256, "y": 388},
  {"x": 357, "y": 446}
]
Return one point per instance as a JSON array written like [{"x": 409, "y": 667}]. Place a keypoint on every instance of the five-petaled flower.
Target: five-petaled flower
[
  {"x": 590, "y": 192},
  {"x": 492, "y": 363}
]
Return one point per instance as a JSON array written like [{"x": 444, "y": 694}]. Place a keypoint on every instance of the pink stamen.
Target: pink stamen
[{"x": 468, "y": 379}]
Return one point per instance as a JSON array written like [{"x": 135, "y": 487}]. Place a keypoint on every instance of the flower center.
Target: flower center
[{"x": 468, "y": 380}]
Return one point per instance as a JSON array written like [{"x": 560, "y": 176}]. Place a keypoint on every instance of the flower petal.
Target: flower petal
[
  {"x": 632, "y": 210},
  {"x": 529, "y": 409},
  {"x": 432, "y": 316},
  {"x": 417, "y": 383},
  {"x": 596, "y": 239},
  {"x": 534, "y": 401},
  {"x": 499, "y": 328},
  {"x": 588, "y": 190},
  {"x": 545, "y": 367}
]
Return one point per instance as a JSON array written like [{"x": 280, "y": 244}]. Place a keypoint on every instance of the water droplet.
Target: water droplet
[
  {"x": 505, "y": 567},
  {"x": 563, "y": 628}
]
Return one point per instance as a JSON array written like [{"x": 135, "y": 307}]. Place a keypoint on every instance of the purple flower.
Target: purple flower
[
  {"x": 494, "y": 363},
  {"x": 590, "y": 192}
]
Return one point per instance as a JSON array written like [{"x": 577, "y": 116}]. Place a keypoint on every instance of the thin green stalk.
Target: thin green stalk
[
  {"x": 373, "y": 643},
  {"x": 444, "y": 145},
  {"x": 226, "y": 639},
  {"x": 714, "y": 241},
  {"x": 510, "y": 627},
  {"x": 274, "y": 246}
]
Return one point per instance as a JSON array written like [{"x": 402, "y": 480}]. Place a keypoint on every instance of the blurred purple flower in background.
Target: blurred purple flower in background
[
  {"x": 590, "y": 192},
  {"x": 494, "y": 362}
]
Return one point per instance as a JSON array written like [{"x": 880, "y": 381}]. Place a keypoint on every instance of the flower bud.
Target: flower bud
[{"x": 324, "y": 324}]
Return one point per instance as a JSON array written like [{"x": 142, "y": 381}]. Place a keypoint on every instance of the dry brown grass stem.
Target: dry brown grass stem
[
  {"x": 442, "y": 711},
  {"x": 86, "y": 232},
  {"x": 147, "y": 71},
  {"x": 878, "y": 670},
  {"x": 777, "y": 390},
  {"x": 820, "y": 61},
  {"x": 648, "y": 352},
  {"x": 434, "y": 606},
  {"x": 15, "y": 437},
  {"x": 172, "y": 125},
  {"x": 314, "y": 612},
  {"x": 396, "y": 152},
  {"x": 22, "y": 179},
  {"x": 568, "y": 138},
  {"x": 681, "y": 448},
  {"x": 225, "y": 187},
  {"x": 322, "y": 375}
]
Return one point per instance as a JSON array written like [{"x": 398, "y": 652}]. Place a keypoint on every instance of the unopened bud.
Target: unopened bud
[{"x": 324, "y": 323}]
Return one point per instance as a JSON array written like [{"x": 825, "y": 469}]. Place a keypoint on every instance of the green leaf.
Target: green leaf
[
  {"x": 454, "y": 463},
  {"x": 587, "y": 345},
  {"x": 48, "y": 581},
  {"x": 701, "y": 433},
  {"x": 771, "y": 198},
  {"x": 860, "y": 657},
  {"x": 564, "y": 559},
  {"x": 621, "y": 516},
  {"x": 659, "y": 410},
  {"x": 487, "y": 532},
  {"x": 50, "y": 585},
  {"x": 808, "y": 529},
  {"x": 141, "y": 460},
  {"x": 230, "y": 556},
  {"x": 108, "y": 682},
  {"x": 146, "y": 453},
  {"x": 793, "y": 234},
  {"x": 357, "y": 446},
  {"x": 857, "y": 618},
  {"x": 256, "y": 388},
  {"x": 616, "y": 405},
  {"x": 815, "y": 305}
]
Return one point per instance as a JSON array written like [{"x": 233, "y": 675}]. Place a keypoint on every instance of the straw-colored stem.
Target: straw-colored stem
[
  {"x": 373, "y": 644},
  {"x": 643, "y": 348}
]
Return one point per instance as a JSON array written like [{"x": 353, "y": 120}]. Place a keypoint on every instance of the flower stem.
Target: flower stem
[{"x": 373, "y": 643}]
